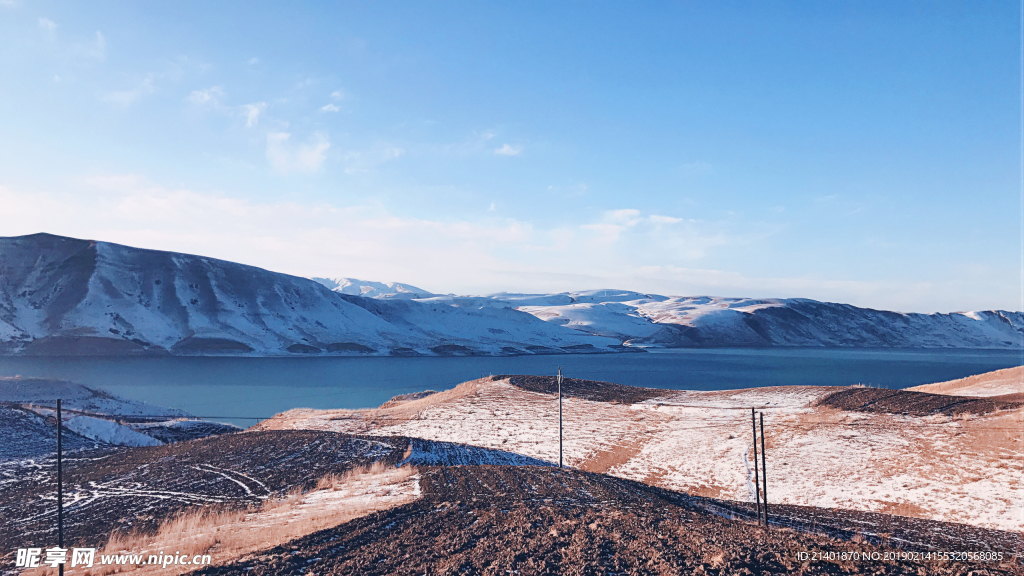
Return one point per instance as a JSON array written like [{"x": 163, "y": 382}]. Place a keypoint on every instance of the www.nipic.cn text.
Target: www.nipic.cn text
[{"x": 87, "y": 557}]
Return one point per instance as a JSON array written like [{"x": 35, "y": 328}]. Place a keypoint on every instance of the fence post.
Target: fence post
[
  {"x": 60, "y": 486},
  {"x": 559, "y": 416},
  {"x": 764, "y": 470},
  {"x": 757, "y": 475}
]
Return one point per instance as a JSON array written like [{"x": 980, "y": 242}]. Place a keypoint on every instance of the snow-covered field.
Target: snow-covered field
[{"x": 964, "y": 469}]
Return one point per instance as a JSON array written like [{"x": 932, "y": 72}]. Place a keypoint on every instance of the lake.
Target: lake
[{"x": 241, "y": 390}]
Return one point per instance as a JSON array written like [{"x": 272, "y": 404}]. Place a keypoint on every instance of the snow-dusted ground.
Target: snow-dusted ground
[
  {"x": 108, "y": 432},
  {"x": 964, "y": 470}
]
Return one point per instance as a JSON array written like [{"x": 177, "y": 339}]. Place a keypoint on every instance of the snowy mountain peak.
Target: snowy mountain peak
[{"x": 368, "y": 289}]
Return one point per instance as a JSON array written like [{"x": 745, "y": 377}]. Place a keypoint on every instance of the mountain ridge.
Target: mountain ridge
[{"x": 67, "y": 296}]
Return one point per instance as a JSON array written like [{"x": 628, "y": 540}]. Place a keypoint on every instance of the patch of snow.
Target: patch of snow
[{"x": 109, "y": 432}]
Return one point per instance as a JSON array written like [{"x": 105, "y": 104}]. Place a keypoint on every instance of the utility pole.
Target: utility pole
[
  {"x": 757, "y": 474},
  {"x": 764, "y": 470},
  {"x": 60, "y": 488},
  {"x": 559, "y": 416}
]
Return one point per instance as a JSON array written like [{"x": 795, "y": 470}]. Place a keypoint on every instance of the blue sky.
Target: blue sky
[{"x": 860, "y": 152}]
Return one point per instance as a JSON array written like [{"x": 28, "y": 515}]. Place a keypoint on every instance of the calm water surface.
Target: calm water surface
[{"x": 235, "y": 389}]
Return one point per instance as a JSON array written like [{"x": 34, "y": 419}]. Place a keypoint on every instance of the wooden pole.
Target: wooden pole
[
  {"x": 764, "y": 470},
  {"x": 60, "y": 487},
  {"x": 559, "y": 416},
  {"x": 757, "y": 475}
]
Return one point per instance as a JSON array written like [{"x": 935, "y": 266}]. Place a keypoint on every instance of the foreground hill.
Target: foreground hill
[
  {"x": 302, "y": 502},
  {"x": 525, "y": 520},
  {"x": 915, "y": 454}
]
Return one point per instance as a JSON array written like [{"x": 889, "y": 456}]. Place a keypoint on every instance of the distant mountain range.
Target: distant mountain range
[{"x": 64, "y": 296}]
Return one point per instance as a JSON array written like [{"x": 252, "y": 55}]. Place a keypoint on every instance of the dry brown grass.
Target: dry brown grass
[
  {"x": 996, "y": 383},
  {"x": 230, "y": 534}
]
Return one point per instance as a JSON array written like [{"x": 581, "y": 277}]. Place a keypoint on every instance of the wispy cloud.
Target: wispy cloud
[
  {"x": 339, "y": 95},
  {"x": 98, "y": 49},
  {"x": 329, "y": 108},
  {"x": 367, "y": 160},
  {"x": 698, "y": 168},
  {"x": 252, "y": 113},
  {"x": 128, "y": 97},
  {"x": 47, "y": 26},
  {"x": 508, "y": 150},
  {"x": 254, "y": 61},
  {"x": 287, "y": 157},
  {"x": 207, "y": 96}
]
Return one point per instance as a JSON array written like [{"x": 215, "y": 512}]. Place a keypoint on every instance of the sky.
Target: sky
[{"x": 862, "y": 152}]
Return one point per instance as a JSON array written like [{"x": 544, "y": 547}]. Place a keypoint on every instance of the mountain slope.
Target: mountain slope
[{"x": 67, "y": 296}]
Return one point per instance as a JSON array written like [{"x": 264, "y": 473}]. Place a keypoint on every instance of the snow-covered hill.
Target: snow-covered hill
[{"x": 63, "y": 296}]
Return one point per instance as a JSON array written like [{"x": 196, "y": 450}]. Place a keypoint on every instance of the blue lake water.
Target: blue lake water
[{"x": 240, "y": 389}]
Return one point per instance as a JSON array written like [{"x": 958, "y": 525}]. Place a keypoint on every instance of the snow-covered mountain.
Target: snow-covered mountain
[
  {"x": 651, "y": 320},
  {"x": 370, "y": 289},
  {"x": 67, "y": 296}
]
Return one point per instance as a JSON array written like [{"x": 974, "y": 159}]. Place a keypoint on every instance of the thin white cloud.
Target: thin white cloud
[
  {"x": 128, "y": 97},
  {"x": 287, "y": 157},
  {"x": 508, "y": 150},
  {"x": 47, "y": 25},
  {"x": 253, "y": 112},
  {"x": 367, "y": 160},
  {"x": 698, "y": 168},
  {"x": 207, "y": 96},
  {"x": 253, "y": 61},
  {"x": 98, "y": 49},
  {"x": 339, "y": 94},
  {"x": 657, "y": 219},
  {"x": 329, "y": 108}
]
